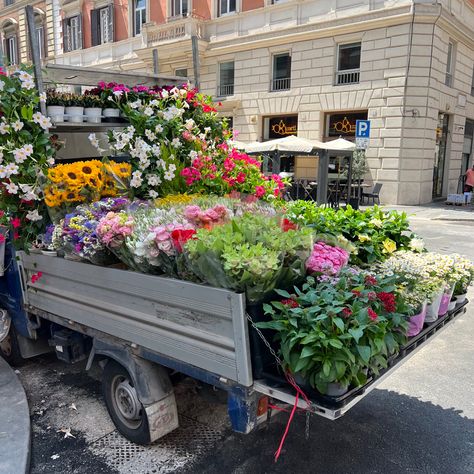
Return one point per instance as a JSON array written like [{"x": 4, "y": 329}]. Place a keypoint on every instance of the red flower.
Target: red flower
[
  {"x": 181, "y": 236},
  {"x": 356, "y": 293},
  {"x": 16, "y": 235},
  {"x": 36, "y": 276},
  {"x": 370, "y": 280},
  {"x": 2, "y": 239},
  {"x": 287, "y": 225},
  {"x": 2, "y": 213},
  {"x": 15, "y": 222},
  {"x": 290, "y": 302},
  {"x": 388, "y": 301},
  {"x": 347, "y": 312},
  {"x": 372, "y": 314},
  {"x": 259, "y": 191}
]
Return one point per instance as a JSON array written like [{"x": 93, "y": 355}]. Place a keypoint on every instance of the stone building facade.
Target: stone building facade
[{"x": 310, "y": 67}]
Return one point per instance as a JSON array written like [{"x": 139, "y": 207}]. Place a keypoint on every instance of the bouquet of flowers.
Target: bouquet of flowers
[{"x": 326, "y": 260}]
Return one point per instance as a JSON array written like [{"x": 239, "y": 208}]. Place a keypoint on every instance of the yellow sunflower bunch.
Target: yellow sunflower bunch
[
  {"x": 175, "y": 199},
  {"x": 117, "y": 176}
]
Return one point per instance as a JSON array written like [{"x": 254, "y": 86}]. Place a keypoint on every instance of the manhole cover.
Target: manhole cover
[{"x": 178, "y": 449}]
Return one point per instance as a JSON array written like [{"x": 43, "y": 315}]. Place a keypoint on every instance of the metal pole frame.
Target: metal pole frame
[
  {"x": 35, "y": 54},
  {"x": 323, "y": 171},
  {"x": 196, "y": 64}
]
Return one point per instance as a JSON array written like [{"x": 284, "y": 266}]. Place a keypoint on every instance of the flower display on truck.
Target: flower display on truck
[{"x": 341, "y": 291}]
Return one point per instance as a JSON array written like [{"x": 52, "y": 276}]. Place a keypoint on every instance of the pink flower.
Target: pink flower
[
  {"x": 259, "y": 191},
  {"x": 372, "y": 314},
  {"x": 15, "y": 222},
  {"x": 326, "y": 259}
]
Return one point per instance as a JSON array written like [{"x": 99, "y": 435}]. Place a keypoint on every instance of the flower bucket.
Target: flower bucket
[
  {"x": 56, "y": 113},
  {"x": 460, "y": 298},
  {"x": 452, "y": 304},
  {"x": 111, "y": 115},
  {"x": 4, "y": 234},
  {"x": 433, "y": 308},
  {"x": 75, "y": 114},
  {"x": 93, "y": 114},
  {"x": 445, "y": 299},
  {"x": 415, "y": 323}
]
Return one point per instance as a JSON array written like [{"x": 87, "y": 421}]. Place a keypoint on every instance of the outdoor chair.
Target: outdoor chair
[{"x": 375, "y": 194}]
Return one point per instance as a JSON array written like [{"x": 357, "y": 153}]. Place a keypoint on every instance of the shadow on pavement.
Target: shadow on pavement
[{"x": 386, "y": 433}]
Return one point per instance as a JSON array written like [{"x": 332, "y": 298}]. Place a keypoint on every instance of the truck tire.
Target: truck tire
[
  {"x": 123, "y": 405},
  {"x": 10, "y": 350}
]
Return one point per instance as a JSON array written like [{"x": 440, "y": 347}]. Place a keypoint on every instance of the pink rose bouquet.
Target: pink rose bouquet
[{"x": 326, "y": 259}]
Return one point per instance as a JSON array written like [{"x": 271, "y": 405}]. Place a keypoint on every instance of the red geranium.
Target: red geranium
[
  {"x": 347, "y": 312},
  {"x": 388, "y": 301},
  {"x": 181, "y": 236},
  {"x": 356, "y": 293},
  {"x": 372, "y": 314},
  {"x": 287, "y": 225},
  {"x": 370, "y": 280},
  {"x": 290, "y": 302}
]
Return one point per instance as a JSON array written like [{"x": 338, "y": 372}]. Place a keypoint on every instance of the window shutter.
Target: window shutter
[
  {"x": 95, "y": 27},
  {"x": 80, "y": 40},
  {"x": 111, "y": 19},
  {"x": 65, "y": 36}
]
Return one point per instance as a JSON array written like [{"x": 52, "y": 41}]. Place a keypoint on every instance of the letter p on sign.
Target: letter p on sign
[{"x": 362, "y": 128}]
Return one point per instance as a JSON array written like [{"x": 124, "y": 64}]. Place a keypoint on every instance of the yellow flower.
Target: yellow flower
[
  {"x": 376, "y": 222},
  {"x": 389, "y": 246},
  {"x": 364, "y": 238}
]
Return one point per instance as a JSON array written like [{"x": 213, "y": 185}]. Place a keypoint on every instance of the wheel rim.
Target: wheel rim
[
  {"x": 6, "y": 346},
  {"x": 125, "y": 400}
]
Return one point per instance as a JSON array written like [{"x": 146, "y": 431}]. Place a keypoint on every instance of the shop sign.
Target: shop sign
[
  {"x": 280, "y": 127},
  {"x": 344, "y": 124}
]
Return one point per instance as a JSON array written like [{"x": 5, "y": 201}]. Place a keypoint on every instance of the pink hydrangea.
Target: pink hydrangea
[{"x": 326, "y": 259}]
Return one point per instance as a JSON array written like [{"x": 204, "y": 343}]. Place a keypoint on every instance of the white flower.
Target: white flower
[
  {"x": 176, "y": 142},
  {"x": 28, "y": 192},
  {"x": 193, "y": 154},
  {"x": 153, "y": 194},
  {"x": 110, "y": 98},
  {"x": 119, "y": 145},
  {"x": 4, "y": 128},
  {"x": 33, "y": 216},
  {"x": 136, "y": 180},
  {"x": 11, "y": 169},
  {"x": 207, "y": 129},
  {"x": 417, "y": 245},
  {"x": 93, "y": 140},
  {"x": 156, "y": 150},
  {"x": 153, "y": 180},
  {"x": 20, "y": 155},
  {"x": 150, "y": 135},
  {"x": 37, "y": 117},
  {"x": 189, "y": 124},
  {"x": 12, "y": 188},
  {"x": 159, "y": 128},
  {"x": 3, "y": 173},
  {"x": 50, "y": 161},
  {"x": 154, "y": 103},
  {"x": 28, "y": 149},
  {"x": 24, "y": 76},
  {"x": 2, "y": 85},
  {"x": 136, "y": 104},
  {"x": 17, "y": 126},
  {"x": 42, "y": 97},
  {"x": 169, "y": 175},
  {"x": 164, "y": 94},
  {"x": 28, "y": 85},
  {"x": 172, "y": 157},
  {"x": 148, "y": 111},
  {"x": 144, "y": 163},
  {"x": 118, "y": 93},
  {"x": 376, "y": 222},
  {"x": 45, "y": 123},
  {"x": 172, "y": 167},
  {"x": 161, "y": 164}
]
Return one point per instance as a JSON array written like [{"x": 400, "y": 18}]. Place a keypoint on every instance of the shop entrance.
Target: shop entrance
[{"x": 440, "y": 154}]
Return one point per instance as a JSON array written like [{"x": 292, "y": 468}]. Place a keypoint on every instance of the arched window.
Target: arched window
[{"x": 10, "y": 41}]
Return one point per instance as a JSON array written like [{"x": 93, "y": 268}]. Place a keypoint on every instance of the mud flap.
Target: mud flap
[{"x": 162, "y": 417}]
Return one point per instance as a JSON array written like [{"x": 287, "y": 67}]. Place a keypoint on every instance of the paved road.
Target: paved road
[{"x": 419, "y": 421}]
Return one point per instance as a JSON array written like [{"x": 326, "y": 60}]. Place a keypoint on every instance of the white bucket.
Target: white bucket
[
  {"x": 93, "y": 114},
  {"x": 433, "y": 308},
  {"x": 75, "y": 114},
  {"x": 55, "y": 113}
]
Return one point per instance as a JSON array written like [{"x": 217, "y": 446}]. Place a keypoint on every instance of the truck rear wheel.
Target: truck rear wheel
[
  {"x": 10, "y": 350},
  {"x": 123, "y": 405}
]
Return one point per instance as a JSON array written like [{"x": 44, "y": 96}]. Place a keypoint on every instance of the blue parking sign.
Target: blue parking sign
[{"x": 362, "y": 128}]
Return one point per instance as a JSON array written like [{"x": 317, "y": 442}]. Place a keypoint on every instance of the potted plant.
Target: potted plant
[
  {"x": 55, "y": 105},
  {"x": 74, "y": 108},
  {"x": 48, "y": 247},
  {"x": 337, "y": 330},
  {"x": 464, "y": 277},
  {"x": 92, "y": 108}
]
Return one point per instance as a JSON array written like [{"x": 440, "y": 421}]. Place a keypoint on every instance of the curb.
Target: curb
[{"x": 15, "y": 430}]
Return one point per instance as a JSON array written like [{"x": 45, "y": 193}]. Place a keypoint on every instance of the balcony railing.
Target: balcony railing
[
  {"x": 225, "y": 89},
  {"x": 282, "y": 84},
  {"x": 177, "y": 28},
  {"x": 349, "y": 76}
]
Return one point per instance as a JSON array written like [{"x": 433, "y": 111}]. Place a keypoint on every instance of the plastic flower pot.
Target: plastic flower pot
[
  {"x": 445, "y": 299},
  {"x": 4, "y": 233},
  {"x": 415, "y": 323},
  {"x": 461, "y": 298},
  {"x": 55, "y": 113},
  {"x": 452, "y": 304},
  {"x": 336, "y": 389},
  {"x": 433, "y": 308},
  {"x": 93, "y": 114},
  {"x": 111, "y": 115},
  {"x": 75, "y": 114}
]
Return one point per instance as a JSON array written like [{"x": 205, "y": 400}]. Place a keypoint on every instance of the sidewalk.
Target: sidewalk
[
  {"x": 14, "y": 423},
  {"x": 436, "y": 211}
]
